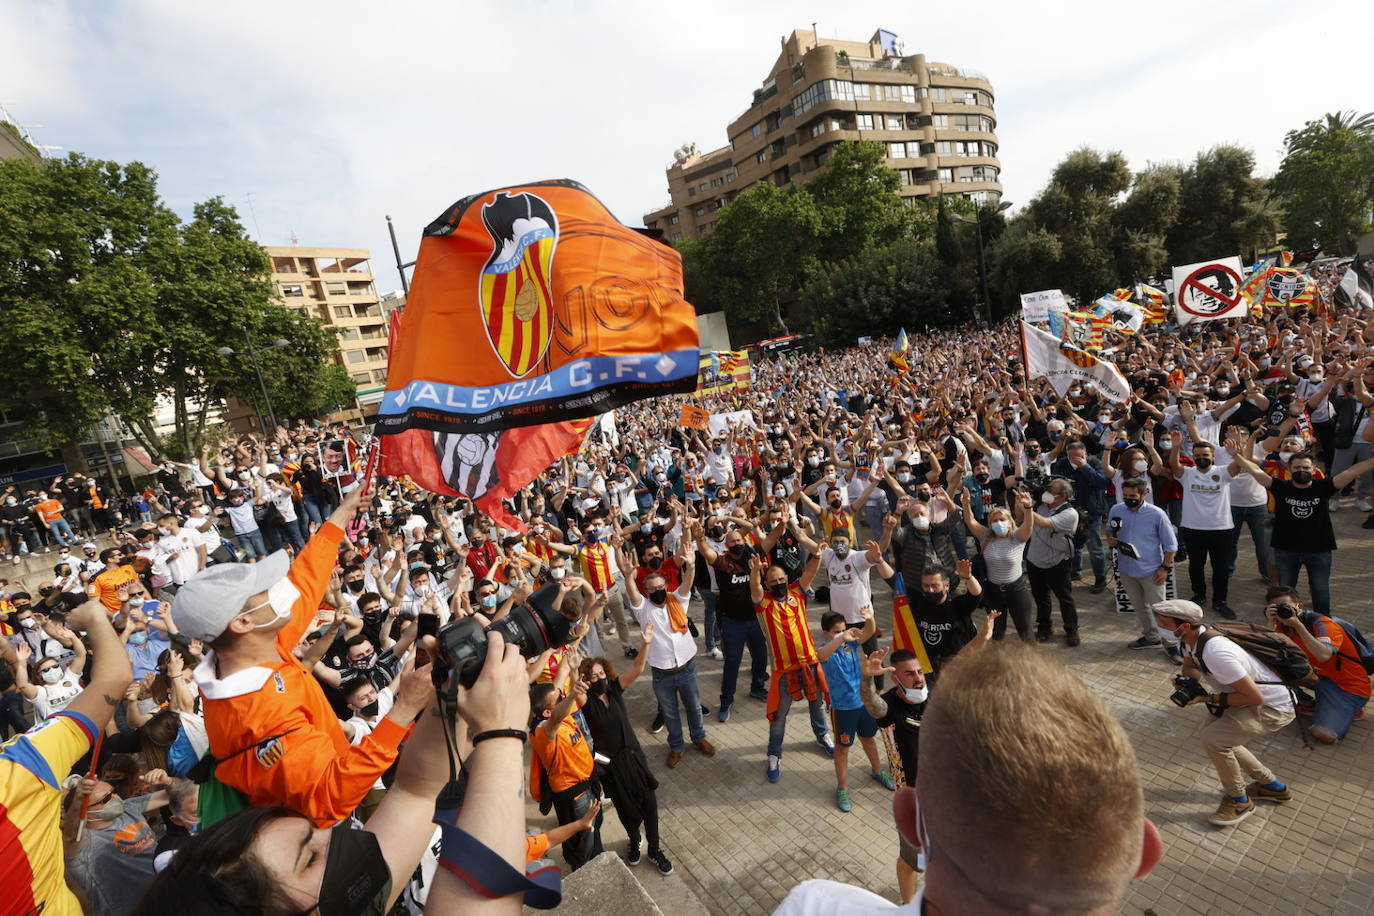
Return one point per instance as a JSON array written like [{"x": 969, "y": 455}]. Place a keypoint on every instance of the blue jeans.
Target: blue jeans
[
  {"x": 314, "y": 512},
  {"x": 62, "y": 531},
  {"x": 669, "y": 687},
  {"x": 1091, "y": 534},
  {"x": 1318, "y": 574},
  {"x": 252, "y": 544},
  {"x": 1335, "y": 708},
  {"x": 820, "y": 723},
  {"x": 709, "y": 599},
  {"x": 735, "y": 634},
  {"x": 1261, "y": 525}
]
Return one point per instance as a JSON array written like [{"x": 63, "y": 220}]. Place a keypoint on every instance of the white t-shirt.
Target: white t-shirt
[
  {"x": 721, "y": 467},
  {"x": 1118, "y": 478},
  {"x": 362, "y": 728},
  {"x": 830, "y": 898},
  {"x": 1228, "y": 663},
  {"x": 849, "y": 589},
  {"x": 53, "y": 698},
  {"x": 1321, "y": 411},
  {"x": 241, "y": 518},
  {"x": 669, "y": 649},
  {"x": 184, "y": 544},
  {"x": 1206, "y": 498},
  {"x": 1246, "y": 491}
]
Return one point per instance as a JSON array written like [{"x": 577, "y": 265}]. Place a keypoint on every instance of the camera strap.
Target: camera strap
[{"x": 488, "y": 873}]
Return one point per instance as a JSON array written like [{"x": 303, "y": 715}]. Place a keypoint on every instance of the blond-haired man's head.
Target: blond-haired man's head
[{"x": 1028, "y": 789}]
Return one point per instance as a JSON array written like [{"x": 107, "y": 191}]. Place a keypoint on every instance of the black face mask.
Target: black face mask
[
  {"x": 654, "y": 562},
  {"x": 981, "y": 478},
  {"x": 1302, "y": 477},
  {"x": 740, "y": 552},
  {"x": 597, "y": 688},
  {"x": 1132, "y": 502},
  {"x": 934, "y": 597},
  {"x": 356, "y": 878},
  {"x": 356, "y": 585},
  {"x": 1202, "y": 463},
  {"x": 835, "y": 504},
  {"x": 371, "y": 709},
  {"x": 374, "y": 617},
  {"x": 923, "y": 496},
  {"x": 778, "y": 590},
  {"x": 658, "y": 595},
  {"x": 716, "y": 534}
]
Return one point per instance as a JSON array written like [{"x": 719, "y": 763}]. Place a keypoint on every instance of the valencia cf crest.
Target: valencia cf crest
[
  {"x": 516, "y": 297},
  {"x": 1078, "y": 357},
  {"x": 1283, "y": 286}
]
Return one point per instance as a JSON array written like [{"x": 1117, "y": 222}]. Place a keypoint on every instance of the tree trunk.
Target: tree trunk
[{"x": 777, "y": 316}]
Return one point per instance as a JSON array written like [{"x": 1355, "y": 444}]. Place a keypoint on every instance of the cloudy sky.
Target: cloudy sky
[{"x": 327, "y": 116}]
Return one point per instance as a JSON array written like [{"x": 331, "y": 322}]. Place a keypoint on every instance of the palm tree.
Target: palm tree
[{"x": 1350, "y": 120}]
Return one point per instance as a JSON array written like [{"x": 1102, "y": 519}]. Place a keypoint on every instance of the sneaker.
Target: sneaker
[
  {"x": 1336, "y": 504},
  {"x": 1042, "y": 634},
  {"x": 1260, "y": 793},
  {"x": 657, "y": 857},
  {"x": 656, "y": 726},
  {"x": 631, "y": 652},
  {"x": 634, "y": 857},
  {"x": 827, "y": 746},
  {"x": 884, "y": 779},
  {"x": 1368, "y": 523},
  {"x": 842, "y": 800},
  {"x": 1364, "y": 505},
  {"x": 716, "y": 654},
  {"x": 17, "y": 561},
  {"x": 1098, "y": 587},
  {"x": 1199, "y": 598},
  {"x": 1224, "y": 610},
  {"x": 1144, "y": 642},
  {"x": 705, "y": 710},
  {"x": 774, "y": 768},
  {"x": 1077, "y": 577},
  {"x": 1071, "y": 638},
  {"x": 759, "y": 695},
  {"x": 724, "y": 714},
  {"x": 1175, "y": 654},
  {"x": 1231, "y": 812}
]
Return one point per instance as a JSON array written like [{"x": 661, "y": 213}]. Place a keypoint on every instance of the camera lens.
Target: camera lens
[
  {"x": 534, "y": 626},
  {"x": 1285, "y": 611}
]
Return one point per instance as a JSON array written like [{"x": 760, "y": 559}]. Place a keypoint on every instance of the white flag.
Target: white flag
[
  {"x": 1209, "y": 290},
  {"x": 1351, "y": 293},
  {"x": 1063, "y": 364}
]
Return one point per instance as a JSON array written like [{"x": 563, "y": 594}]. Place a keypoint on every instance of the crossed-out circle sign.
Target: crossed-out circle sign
[{"x": 1210, "y": 291}]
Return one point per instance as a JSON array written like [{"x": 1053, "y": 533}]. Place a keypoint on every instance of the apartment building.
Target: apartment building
[
  {"x": 937, "y": 121},
  {"x": 336, "y": 286}
]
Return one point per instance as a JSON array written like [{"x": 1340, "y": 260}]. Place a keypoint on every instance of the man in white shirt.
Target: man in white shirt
[
  {"x": 1206, "y": 526},
  {"x": 183, "y": 548},
  {"x": 672, "y": 653},
  {"x": 999, "y": 710},
  {"x": 1253, "y": 703}
]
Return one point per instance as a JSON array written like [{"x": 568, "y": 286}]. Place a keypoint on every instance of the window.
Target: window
[
  {"x": 672, "y": 220},
  {"x": 291, "y": 289},
  {"x": 865, "y": 121},
  {"x": 706, "y": 228},
  {"x": 895, "y": 122},
  {"x": 757, "y": 130},
  {"x": 939, "y": 121},
  {"x": 946, "y": 174},
  {"x": 349, "y": 334},
  {"x": 968, "y": 148},
  {"x": 908, "y": 93},
  {"x": 701, "y": 211},
  {"x": 691, "y": 192},
  {"x": 937, "y": 94},
  {"x": 821, "y": 126},
  {"x": 703, "y": 186},
  {"x": 862, "y": 92},
  {"x": 379, "y": 375},
  {"x": 943, "y": 147},
  {"x": 356, "y": 356},
  {"x": 730, "y": 177},
  {"x": 908, "y": 176},
  {"x": 971, "y": 97},
  {"x": 922, "y": 92},
  {"x": 896, "y": 151},
  {"x": 823, "y": 91},
  {"x": 761, "y": 156},
  {"x": 335, "y": 289},
  {"x": 342, "y": 311},
  {"x": 677, "y": 236}
]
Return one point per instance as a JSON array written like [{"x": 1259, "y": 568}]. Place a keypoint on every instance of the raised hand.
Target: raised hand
[{"x": 873, "y": 664}]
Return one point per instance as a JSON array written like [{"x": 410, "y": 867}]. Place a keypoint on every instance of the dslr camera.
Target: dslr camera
[
  {"x": 1188, "y": 689},
  {"x": 462, "y": 650},
  {"x": 1285, "y": 611}
]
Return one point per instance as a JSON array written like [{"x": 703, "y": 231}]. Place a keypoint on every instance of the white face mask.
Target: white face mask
[
  {"x": 557, "y": 572},
  {"x": 1141, "y": 466},
  {"x": 1286, "y": 457},
  {"x": 51, "y": 675},
  {"x": 916, "y": 695},
  {"x": 281, "y": 597},
  {"x": 28, "y": 623},
  {"x": 921, "y": 523},
  {"x": 1047, "y": 497}
]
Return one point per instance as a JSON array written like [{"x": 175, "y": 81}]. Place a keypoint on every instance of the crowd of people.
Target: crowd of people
[{"x": 226, "y": 708}]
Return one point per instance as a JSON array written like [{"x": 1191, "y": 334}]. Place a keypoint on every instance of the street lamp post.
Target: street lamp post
[
  {"x": 278, "y": 344},
  {"x": 982, "y": 263}
]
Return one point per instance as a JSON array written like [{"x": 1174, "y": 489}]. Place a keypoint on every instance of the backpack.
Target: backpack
[
  {"x": 1364, "y": 653},
  {"x": 1270, "y": 647}
]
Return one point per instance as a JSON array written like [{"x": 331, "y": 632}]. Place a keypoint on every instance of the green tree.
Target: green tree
[
  {"x": 1223, "y": 208},
  {"x": 1078, "y": 207},
  {"x": 877, "y": 291},
  {"x": 757, "y": 252},
  {"x": 857, "y": 196},
  {"x": 113, "y": 305},
  {"x": 1326, "y": 182}
]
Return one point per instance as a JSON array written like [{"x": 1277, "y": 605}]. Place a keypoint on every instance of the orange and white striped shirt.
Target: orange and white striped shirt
[
  {"x": 784, "y": 623},
  {"x": 596, "y": 565}
]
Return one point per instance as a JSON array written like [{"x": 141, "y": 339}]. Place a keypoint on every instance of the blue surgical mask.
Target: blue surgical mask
[
  {"x": 1001, "y": 528},
  {"x": 139, "y": 638},
  {"x": 489, "y": 600}
]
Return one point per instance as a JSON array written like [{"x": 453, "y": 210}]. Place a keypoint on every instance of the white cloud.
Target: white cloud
[{"x": 333, "y": 114}]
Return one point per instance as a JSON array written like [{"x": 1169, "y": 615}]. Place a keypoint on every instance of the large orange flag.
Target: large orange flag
[
  {"x": 532, "y": 310},
  {"x": 533, "y": 304}
]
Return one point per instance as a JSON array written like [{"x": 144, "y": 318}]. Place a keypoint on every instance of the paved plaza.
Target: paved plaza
[{"x": 740, "y": 843}]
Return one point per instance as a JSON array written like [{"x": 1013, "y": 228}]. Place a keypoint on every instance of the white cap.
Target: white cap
[{"x": 204, "y": 606}]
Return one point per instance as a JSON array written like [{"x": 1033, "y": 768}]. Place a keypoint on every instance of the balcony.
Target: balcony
[{"x": 896, "y": 64}]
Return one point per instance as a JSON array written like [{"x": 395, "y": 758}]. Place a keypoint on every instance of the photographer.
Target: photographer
[
  {"x": 1342, "y": 686},
  {"x": 1250, "y": 702}
]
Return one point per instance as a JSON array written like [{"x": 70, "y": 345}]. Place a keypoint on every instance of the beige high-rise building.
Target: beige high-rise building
[
  {"x": 336, "y": 286},
  {"x": 936, "y": 120}
]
